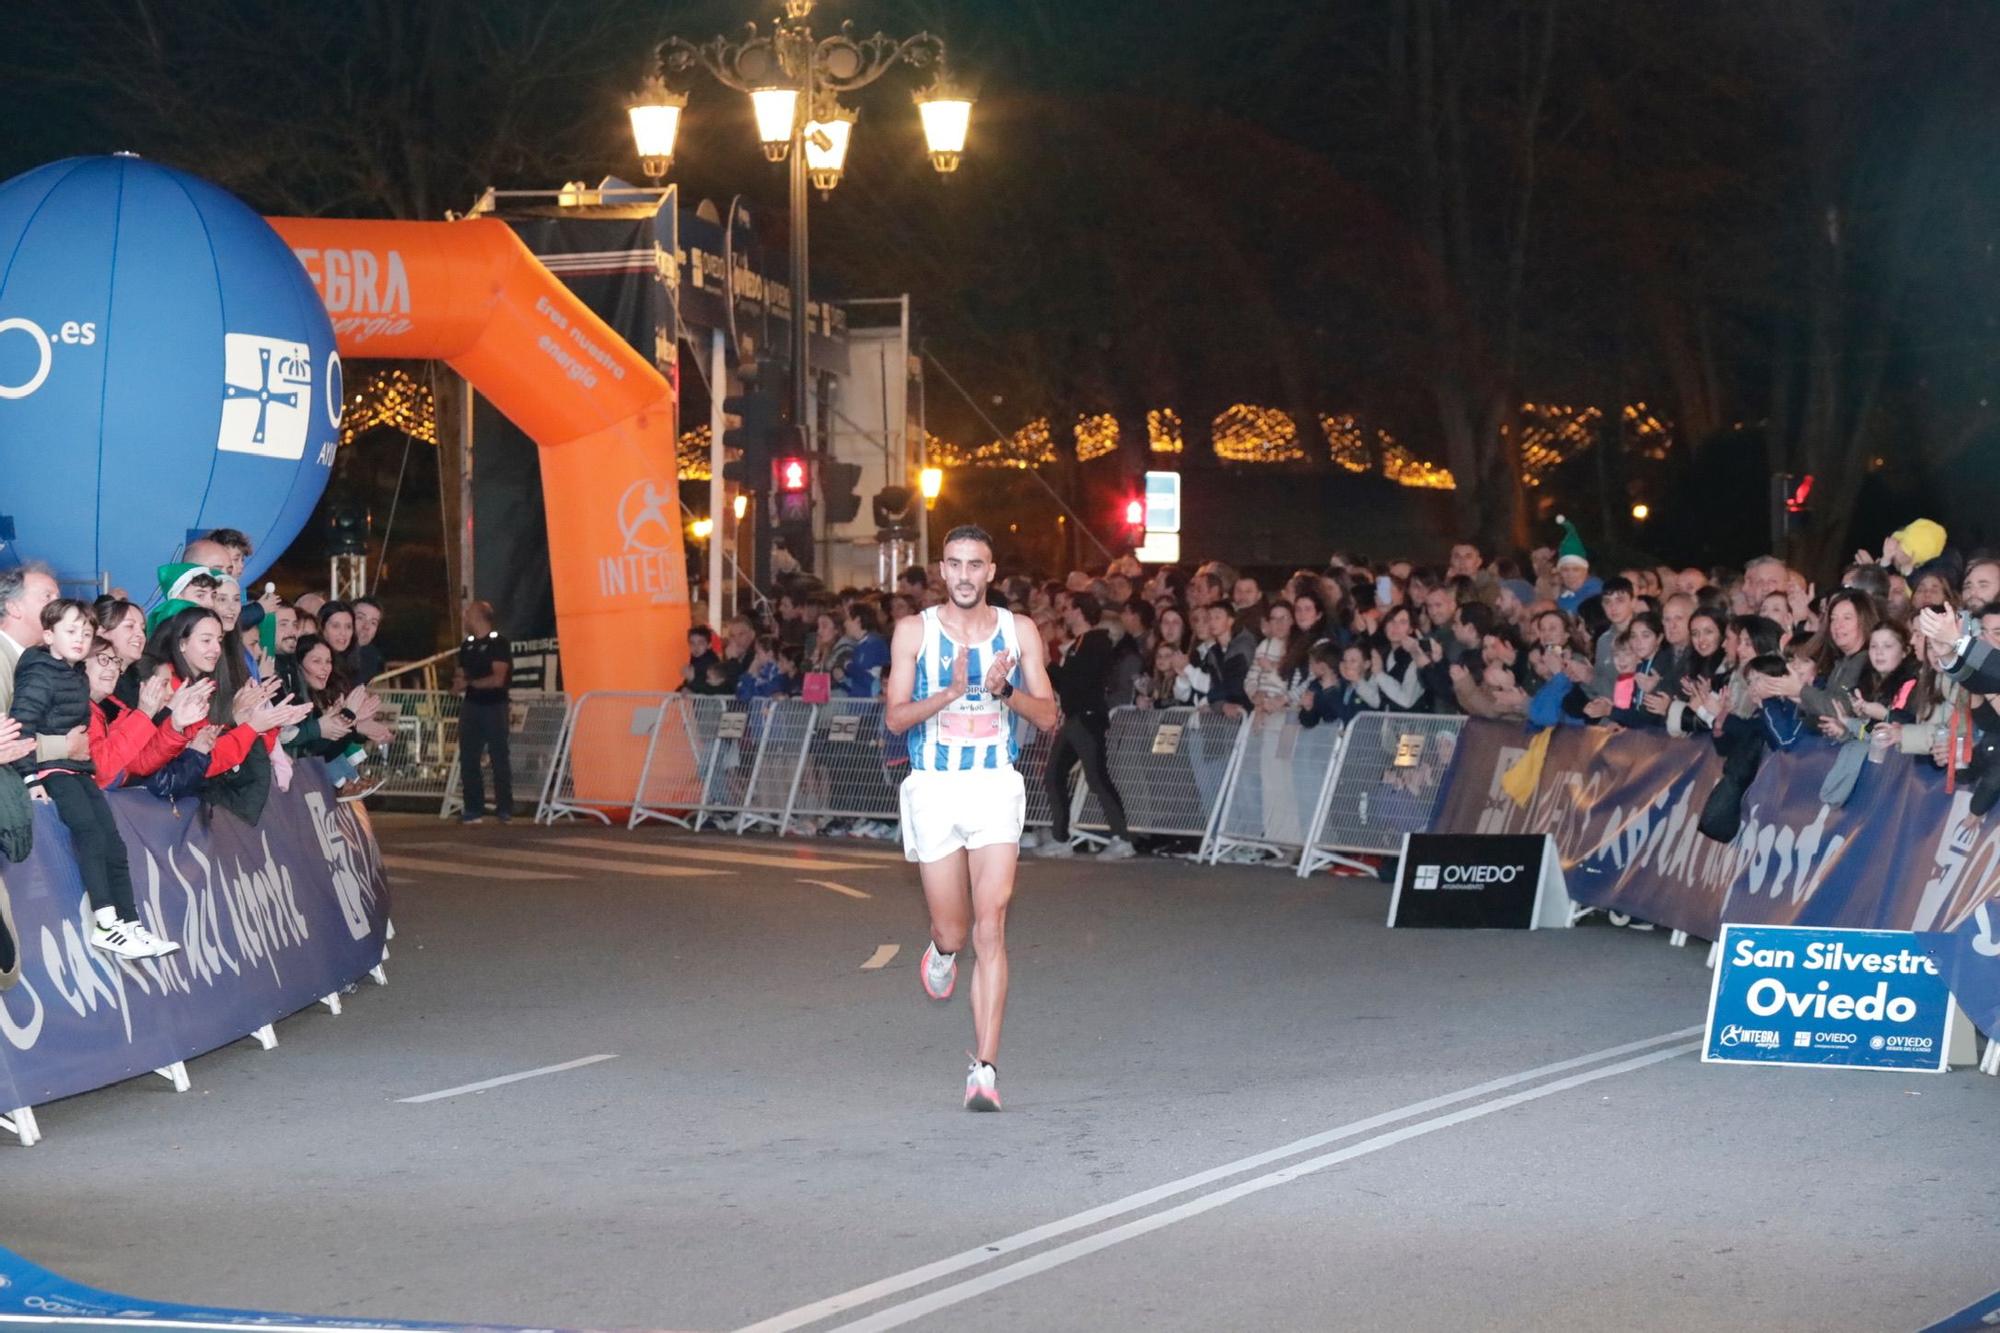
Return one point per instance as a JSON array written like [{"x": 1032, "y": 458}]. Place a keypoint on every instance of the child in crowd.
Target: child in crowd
[
  {"x": 763, "y": 678},
  {"x": 1333, "y": 693},
  {"x": 701, "y": 657},
  {"x": 52, "y": 698}
]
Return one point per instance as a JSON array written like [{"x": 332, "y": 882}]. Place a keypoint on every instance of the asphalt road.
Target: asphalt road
[{"x": 1234, "y": 1100}]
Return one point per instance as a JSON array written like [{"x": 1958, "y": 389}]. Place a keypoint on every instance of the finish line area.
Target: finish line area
[{"x": 647, "y": 1080}]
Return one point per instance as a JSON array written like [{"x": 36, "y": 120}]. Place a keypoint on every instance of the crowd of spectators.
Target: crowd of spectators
[
  {"x": 210, "y": 697},
  {"x": 1752, "y": 659}
]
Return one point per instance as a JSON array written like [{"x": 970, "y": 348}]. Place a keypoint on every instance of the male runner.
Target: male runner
[{"x": 957, "y": 675}]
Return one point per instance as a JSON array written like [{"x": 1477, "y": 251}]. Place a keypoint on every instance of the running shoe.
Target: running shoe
[
  {"x": 939, "y": 973},
  {"x": 118, "y": 940},
  {"x": 1055, "y": 850},
  {"x": 1118, "y": 850},
  {"x": 155, "y": 946},
  {"x": 980, "y": 1092}
]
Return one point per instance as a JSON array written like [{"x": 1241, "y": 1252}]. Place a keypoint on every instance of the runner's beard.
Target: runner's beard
[{"x": 965, "y": 596}]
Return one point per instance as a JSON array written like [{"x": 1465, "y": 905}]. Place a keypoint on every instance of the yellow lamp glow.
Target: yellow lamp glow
[
  {"x": 740, "y": 506},
  {"x": 1642, "y": 512},
  {"x": 701, "y": 528},
  {"x": 656, "y": 126},
  {"x": 947, "y": 117},
  {"x": 931, "y": 482},
  {"x": 777, "y": 112},
  {"x": 826, "y": 146}
]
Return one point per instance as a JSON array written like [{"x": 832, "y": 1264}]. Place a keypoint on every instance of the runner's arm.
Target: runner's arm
[
  {"x": 900, "y": 712},
  {"x": 1034, "y": 698}
]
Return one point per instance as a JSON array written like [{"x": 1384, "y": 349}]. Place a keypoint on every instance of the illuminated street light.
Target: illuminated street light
[
  {"x": 740, "y": 506},
  {"x": 826, "y": 140},
  {"x": 947, "y": 117},
  {"x": 701, "y": 528},
  {"x": 930, "y": 482},
  {"x": 1641, "y": 512},
  {"x": 656, "y": 125},
  {"x": 795, "y": 79}
]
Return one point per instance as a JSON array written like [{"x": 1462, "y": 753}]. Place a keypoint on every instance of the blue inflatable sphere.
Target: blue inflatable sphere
[{"x": 165, "y": 368}]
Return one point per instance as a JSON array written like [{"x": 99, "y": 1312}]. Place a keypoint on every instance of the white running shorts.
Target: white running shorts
[{"x": 970, "y": 807}]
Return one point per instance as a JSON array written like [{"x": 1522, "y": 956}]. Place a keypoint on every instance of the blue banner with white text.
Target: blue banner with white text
[
  {"x": 1901, "y": 853},
  {"x": 269, "y": 918}
]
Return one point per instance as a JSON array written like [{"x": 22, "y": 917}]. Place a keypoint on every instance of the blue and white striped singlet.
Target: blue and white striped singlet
[{"x": 976, "y": 731}]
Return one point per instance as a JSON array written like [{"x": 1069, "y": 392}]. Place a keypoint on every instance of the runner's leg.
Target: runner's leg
[
  {"x": 992, "y": 890},
  {"x": 945, "y": 884}
]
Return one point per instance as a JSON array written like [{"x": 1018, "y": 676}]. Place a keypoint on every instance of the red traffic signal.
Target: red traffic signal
[{"x": 791, "y": 474}]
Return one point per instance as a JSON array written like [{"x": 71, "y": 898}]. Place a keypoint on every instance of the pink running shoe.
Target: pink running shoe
[
  {"x": 939, "y": 973},
  {"x": 980, "y": 1092}
]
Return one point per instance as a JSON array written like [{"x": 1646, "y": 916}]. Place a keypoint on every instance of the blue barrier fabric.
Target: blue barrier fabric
[
  {"x": 1621, "y": 808},
  {"x": 1901, "y": 854},
  {"x": 269, "y": 919},
  {"x": 29, "y": 1291}
]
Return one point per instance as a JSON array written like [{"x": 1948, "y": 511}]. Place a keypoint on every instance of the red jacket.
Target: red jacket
[
  {"x": 233, "y": 744},
  {"x": 130, "y": 745}
]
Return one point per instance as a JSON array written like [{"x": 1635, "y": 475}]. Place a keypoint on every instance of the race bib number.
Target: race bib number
[{"x": 972, "y": 725}]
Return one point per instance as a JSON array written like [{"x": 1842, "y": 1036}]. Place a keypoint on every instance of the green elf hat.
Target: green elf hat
[
  {"x": 1571, "y": 550},
  {"x": 174, "y": 580}
]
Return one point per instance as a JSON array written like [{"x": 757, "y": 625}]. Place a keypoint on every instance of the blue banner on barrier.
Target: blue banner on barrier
[
  {"x": 1814, "y": 996},
  {"x": 1902, "y": 853},
  {"x": 269, "y": 919},
  {"x": 1621, "y": 808}
]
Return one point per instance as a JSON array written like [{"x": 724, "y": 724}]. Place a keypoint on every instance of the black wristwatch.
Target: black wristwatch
[{"x": 1005, "y": 692}]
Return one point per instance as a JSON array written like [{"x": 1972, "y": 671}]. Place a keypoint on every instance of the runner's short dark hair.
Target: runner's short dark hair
[{"x": 969, "y": 532}]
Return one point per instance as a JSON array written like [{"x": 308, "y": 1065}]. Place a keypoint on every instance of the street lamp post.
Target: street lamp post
[{"x": 795, "y": 79}]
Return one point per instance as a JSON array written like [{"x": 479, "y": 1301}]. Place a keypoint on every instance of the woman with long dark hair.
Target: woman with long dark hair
[
  {"x": 191, "y": 644},
  {"x": 1395, "y": 681},
  {"x": 336, "y": 626}
]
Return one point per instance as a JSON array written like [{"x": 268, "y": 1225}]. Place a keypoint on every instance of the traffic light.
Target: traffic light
[
  {"x": 1135, "y": 522},
  {"x": 791, "y": 481},
  {"x": 838, "y": 488},
  {"x": 758, "y": 413}
]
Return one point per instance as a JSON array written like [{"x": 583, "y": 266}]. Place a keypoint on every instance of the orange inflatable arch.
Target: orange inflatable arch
[{"x": 471, "y": 294}]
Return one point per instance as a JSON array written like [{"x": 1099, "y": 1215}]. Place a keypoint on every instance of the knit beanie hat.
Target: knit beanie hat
[
  {"x": 1922, "y": 541},
  {"x": 1572, "y": 545}
]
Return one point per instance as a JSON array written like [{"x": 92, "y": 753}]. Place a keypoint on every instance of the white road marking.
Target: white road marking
[
  {"x": 686, "y": 853},
  {"x": 121, "y": 1321},
  {"x": 917, "y": 1277},
  {"x": 431, "y": 866},
  {"x": 837, "y": 888},
  {"x": 566, "y": 859},
  {"x": 898, "y": 1315},
  {"x": 881, "y": 957},
  {"x": 505, "y": 1079}
]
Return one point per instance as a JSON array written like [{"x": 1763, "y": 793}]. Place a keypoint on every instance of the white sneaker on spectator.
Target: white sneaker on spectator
[
  {"x": 1030, "y": 840},
  {"x": 1054, "y": 850},
  {"x": 117, "y": 939},
  {"x": 155, "y": 946},
  {"x": 1118, "y": 850}
]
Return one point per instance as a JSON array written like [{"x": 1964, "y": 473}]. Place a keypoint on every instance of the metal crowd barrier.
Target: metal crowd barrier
[
  {"x": 1386, "y": 781},
  {"x": 1171, "y": 767},
  {"x": 600, "y": 755},
  {"x": 682, "y": 758},
  {"x": 422, "y": 762},
  {"x": 536, "y": 724},
  {"x": 1280, "y": 770},
  {"x": 854, "y": 768}
]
